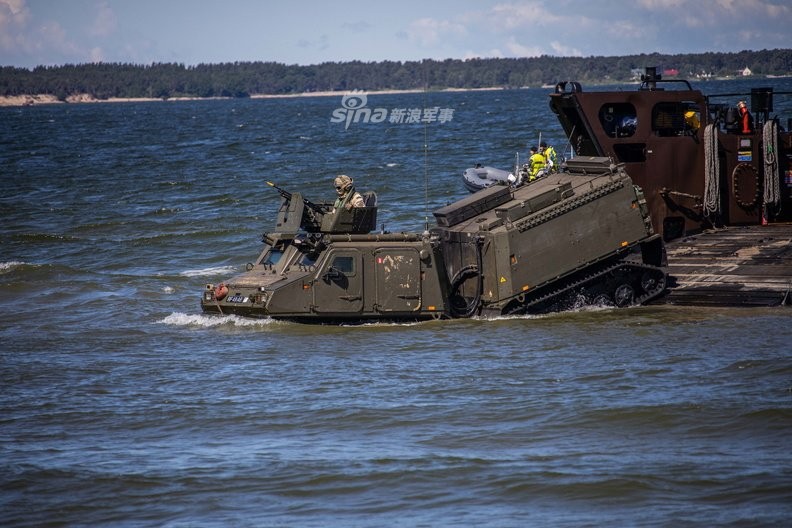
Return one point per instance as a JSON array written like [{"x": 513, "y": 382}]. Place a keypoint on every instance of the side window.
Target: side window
[
  {"x": 692, "y": 118},
  {"x": 618, "y": 120},
  {"x": 345, "y": 265},
  {"x": 676, "y": 119}
]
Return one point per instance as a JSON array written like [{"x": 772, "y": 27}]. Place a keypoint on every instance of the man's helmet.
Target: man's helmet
[{"x": 343, "y": 183}]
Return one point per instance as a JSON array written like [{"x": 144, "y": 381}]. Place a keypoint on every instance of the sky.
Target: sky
[{"x": 55, "y": 32}]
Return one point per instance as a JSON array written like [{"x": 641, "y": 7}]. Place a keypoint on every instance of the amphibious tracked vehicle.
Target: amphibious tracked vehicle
[{"x": 580, "y": 235}]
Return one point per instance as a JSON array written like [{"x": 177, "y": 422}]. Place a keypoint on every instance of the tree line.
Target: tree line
[{"x": 243, "y": 79}]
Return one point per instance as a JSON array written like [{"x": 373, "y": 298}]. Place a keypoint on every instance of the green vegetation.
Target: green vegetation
[{"x": 242, "y": 79}]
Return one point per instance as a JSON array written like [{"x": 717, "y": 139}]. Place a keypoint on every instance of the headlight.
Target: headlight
[{"x": 260, "y": 298}]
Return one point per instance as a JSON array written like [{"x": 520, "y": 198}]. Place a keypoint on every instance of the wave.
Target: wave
[
  {"x": 208, "y": 321},
  {"x": 5, "y": 267},
  {"x": 44, "y": 237},
  {"x": 163, "y": 211},
  {"x": 217, "y": 270},
  {"x": 560, "y": 312}
]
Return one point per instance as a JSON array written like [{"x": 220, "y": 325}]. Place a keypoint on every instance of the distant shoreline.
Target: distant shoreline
[{"x": 41, "y": 99}]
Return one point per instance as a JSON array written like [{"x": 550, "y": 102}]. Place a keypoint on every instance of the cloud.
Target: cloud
[
  {"x": 663, "y": 5},
  {"x": 31, "y": 40},
  {"x": 526, "y": 14},
  {"x": 105, "y": 22},
  {"x": 51, "y": 36},
  {"x": 564, "y": 50},
  {"x": 360, "y": 26},
  {"x": 322, "y": 43},
  {"x": 13, "y": 12},
  {"x": 97, "y": 55},
  {"x": 13, "y": 9},
  {"x": 430, "y": 32},
  {"x": 713, "y": 13},
  {"x": 14, "y": 15},
  {"x": 524, "y": 28},
  {"x": 516, "y": 49},
  {"x": 628, "y": 30},
  {"x": 494, "y": 53}
]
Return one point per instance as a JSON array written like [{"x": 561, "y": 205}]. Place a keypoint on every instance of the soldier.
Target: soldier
[
  {"x": 535, "y": 163},
  {"x": 348, "y": 197},
  {"x": 692, "y": 122},
  {"x": 549, "y": 154}
]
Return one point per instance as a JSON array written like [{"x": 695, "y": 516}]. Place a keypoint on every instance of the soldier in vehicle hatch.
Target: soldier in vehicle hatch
[{"x": 348, "y": 197}]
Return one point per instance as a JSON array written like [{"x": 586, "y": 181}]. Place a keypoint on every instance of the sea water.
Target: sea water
[{"x": 121, "y": 404}]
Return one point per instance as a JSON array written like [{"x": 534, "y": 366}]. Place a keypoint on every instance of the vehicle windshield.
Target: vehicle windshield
[
  {"x": 271, "y": 257},
  {"x": 307, "y": 259}
]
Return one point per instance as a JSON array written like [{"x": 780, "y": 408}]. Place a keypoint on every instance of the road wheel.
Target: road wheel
[{"x": 624, "y": 295}]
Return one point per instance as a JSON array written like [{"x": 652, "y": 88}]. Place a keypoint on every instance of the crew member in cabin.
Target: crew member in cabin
[
  {"x": 549, "y": 153},
  {"x": 745, "y": 117},
  {"x": 348, "y": 197},
  {"x": 535, "y": 163},
  {"x": 692, "y": 122}
]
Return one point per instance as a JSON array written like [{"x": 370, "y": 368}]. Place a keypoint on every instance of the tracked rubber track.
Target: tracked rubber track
[{"x": 652, "y": 279}]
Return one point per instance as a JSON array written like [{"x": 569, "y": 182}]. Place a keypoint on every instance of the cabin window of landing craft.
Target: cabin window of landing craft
[
  {"x": 677, "y": 118},
  {"x": 618, "y": 119}
]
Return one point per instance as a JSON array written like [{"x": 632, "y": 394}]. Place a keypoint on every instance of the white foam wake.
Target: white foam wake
[
  {"x": 217, "y": 270},
  {"x": 208, "y": 321},
  {"x": 8, "y": 266}
]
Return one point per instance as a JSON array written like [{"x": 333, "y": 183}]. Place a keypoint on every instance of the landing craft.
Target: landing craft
[
  {"x": 716, "y": 172},
  {"x": 502, "y": 250}
]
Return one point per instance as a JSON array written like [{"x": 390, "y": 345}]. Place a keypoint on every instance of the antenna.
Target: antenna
[{"x": 426, "y": 156}]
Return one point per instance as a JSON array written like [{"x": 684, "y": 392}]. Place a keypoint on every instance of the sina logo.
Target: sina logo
[{"x": 353, "y": 110}]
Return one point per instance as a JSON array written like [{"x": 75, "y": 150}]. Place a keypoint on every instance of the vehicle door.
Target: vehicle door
[
  {"x": 398, "y": 278},
  {"x": 338, "y": 285}
]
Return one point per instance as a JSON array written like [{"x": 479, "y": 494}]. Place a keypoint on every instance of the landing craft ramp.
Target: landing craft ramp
[{"x": 733, "y": 266}]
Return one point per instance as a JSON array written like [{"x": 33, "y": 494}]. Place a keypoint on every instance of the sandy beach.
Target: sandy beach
[{"x": 39, "y": 99}]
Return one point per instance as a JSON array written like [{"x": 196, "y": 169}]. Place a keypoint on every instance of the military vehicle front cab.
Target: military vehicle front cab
[{"x": 325, "y": 264}]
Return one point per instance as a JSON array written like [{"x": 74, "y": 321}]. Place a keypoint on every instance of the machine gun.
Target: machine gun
[
  {"x": 297, "y": 213},
  {"x": 286, "y": 195}
]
